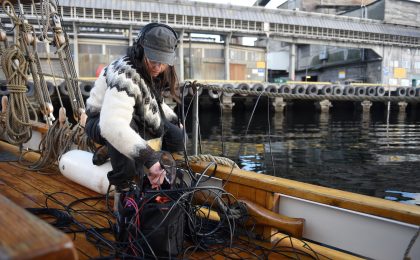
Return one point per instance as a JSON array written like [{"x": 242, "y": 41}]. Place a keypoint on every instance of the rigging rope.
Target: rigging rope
[
  {"x": 61, "y": 42},
  {"x": 17, "y": 121},
  {"x": 27, "y": 41},
  {"x": 60, "y": 138},
  {"x": 62, "y": 135}
]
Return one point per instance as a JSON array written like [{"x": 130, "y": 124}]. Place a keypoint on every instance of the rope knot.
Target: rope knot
[{"x": 16, "y": 88}]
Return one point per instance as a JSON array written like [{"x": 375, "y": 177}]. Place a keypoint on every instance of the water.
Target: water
[{"x": 344, "y": 149}]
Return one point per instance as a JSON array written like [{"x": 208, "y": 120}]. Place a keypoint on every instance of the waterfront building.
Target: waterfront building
[
  {"x": 339, "y": 64},
  {"x": 313, "y": 41}
]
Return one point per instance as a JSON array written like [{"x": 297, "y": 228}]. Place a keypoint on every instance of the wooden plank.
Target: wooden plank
[
  {"x": 47, "y": 184},
  {"x": 269, "y": 203},
  {"x": 232, "y": 188},
  {"x": 23, "y": 235},
  {"x": 260, "y": 198},
  {"x": 39, "y": 127},
  {"x": 246, "y": 192},
  {"x": 21, "y": 192},
  {"x": 16, "y": 196}
]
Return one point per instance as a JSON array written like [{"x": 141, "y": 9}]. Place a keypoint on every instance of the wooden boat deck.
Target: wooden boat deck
[
  {"x": 50, "y": 189},
  {"x": 35, "y": 189},
  {"x": 31, "y": 189}
]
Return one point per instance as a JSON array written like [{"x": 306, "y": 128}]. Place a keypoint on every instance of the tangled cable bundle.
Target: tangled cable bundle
[{"x": 227, "y": 236}]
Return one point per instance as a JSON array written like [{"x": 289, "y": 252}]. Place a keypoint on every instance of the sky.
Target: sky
[{"x": 272, "y": 4}]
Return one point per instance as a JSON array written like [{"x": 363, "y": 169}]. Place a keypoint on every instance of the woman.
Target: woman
[{"x": 127, "y": 101}]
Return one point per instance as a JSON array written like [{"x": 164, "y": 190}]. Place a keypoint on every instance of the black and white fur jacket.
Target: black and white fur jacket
[{"x": 129, "y": 110}]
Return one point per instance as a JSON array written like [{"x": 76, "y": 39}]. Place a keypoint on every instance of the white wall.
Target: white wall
[{"x": 278, "y": 60}]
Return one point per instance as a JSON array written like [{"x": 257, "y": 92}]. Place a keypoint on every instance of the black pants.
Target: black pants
[{"x": 124, "y": 169}]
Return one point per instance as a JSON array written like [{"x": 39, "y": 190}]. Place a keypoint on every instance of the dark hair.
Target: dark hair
[{"x": 168, "y": 79}]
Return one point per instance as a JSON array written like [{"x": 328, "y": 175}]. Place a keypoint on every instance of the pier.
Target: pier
[{"x": 322, "y": 95}]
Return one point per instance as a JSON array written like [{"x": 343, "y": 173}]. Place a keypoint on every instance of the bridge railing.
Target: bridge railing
[{"x": 299, "y": 25}]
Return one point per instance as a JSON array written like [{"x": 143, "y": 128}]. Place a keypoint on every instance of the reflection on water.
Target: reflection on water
[{"x": 344, "y": 149}]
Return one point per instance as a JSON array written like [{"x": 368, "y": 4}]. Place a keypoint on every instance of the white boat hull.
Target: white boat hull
[{"x": 363, "y": 234}]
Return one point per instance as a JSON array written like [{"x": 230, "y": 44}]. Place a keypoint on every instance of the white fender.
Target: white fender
[{"x": 77, "y": 166}]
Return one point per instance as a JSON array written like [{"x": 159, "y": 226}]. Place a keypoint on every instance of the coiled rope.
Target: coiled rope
[
  {"x": 62, "y": 135},
  {"x": 27, "y": 42},
  {"x": 60, "y": 138},
  {"x": 17, "y": 121}
]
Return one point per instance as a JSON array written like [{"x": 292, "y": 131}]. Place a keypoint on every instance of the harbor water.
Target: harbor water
[{"x": 375, "y": 154}]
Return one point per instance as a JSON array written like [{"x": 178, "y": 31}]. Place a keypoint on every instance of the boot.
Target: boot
[
  {"x": 100, "y": 156},
  {"x": 121, "y": 231}
]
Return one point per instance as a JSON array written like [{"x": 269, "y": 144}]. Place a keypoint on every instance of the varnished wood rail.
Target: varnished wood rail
[{"x": 25, "y": 236}]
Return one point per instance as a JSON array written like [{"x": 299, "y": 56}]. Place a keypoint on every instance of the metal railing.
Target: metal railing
[{"x": 303, "y": 29}]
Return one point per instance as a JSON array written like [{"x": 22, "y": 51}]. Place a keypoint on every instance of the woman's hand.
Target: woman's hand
[{"x": 156, "y": 175}]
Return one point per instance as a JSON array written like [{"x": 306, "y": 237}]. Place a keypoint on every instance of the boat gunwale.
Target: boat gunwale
[{"x": 329, "y": 196}]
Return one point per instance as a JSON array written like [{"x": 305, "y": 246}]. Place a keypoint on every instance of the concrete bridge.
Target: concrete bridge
[
  {"x": 288, "y": 25},
  {"x": 122, "y": 18}
]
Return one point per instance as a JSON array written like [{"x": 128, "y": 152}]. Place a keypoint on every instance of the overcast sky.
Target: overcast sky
[{"x": 271, "y": 4}]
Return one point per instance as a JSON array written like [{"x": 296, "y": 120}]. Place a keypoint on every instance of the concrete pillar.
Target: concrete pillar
[
  {"x": 292, "y": 61},
  {"x": 365, "y": 119},
  {"x": 279, "y": 104},
  {"x": 324, "y": 118},
  {"x": 130, "y": 36},
  {"x": 366, "y": 104},
  {"x": 267, "y": 47},
  {"x": 401, "y": 117},
  {"x": 365, "y": 124},
  {"x": 323, "y": 105},
  {"x": 75, "y": 48},
  {"x": 227, "y": 103},
  {"x": 402, "y": 106},
  {"x": 181, "y": 56},
  {"x": 227, "y": 56}
]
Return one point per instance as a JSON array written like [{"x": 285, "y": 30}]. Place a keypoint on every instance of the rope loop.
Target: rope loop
[{"x": 211, "y": 158}]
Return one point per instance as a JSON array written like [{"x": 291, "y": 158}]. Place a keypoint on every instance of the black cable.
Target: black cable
[
  {"x": 62, "y": 218},
  {"x": 183, "y": 115},
  {"x": 242, "y": 141},
  {"x": 223, "y": 238}
]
